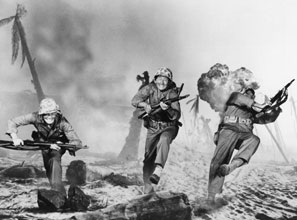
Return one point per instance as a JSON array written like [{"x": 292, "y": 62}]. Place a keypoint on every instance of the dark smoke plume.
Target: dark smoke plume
[
  {"x": 219, "y": 82},
  {"x": 86, "y": 58}
]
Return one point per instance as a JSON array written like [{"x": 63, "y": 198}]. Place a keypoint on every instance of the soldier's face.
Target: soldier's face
[
  {"x": 162, "y": 82},
  {"x": 49, "y": 118}
]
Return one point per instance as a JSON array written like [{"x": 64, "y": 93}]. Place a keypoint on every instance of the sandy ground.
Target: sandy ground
[{"x": 254, "y": 191}]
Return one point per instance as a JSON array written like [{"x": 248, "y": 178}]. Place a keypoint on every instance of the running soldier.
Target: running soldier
[
  {"x": 162, "y": 127},
  {"x": 51, "y": 127},
  {"x": 236, "y": 132}
]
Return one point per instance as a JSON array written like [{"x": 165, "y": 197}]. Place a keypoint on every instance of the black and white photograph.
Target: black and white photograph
[{"x": 148, "y": 110}]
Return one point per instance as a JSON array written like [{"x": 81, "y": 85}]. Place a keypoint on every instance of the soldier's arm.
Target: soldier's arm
[
  {"x": 140, "y": 98},
  {"x": 240, "y": 100},
  {"x": 14, "y": 123},
  {"x": 70, "y": 133},
  {"x": 268, "y": 117},
  {"x": 244, "y": 101}
]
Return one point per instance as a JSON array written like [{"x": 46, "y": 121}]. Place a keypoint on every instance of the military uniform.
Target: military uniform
[
  {"x": 236, "y": 133},
  {"x": 162, "y": 127},
  {"x": 59, "y": 131}
]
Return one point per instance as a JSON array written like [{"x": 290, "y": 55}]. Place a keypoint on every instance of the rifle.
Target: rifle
[
  {"x": 276, "y": 100},
  {"x": 32, "y": 145},
  {"x": 278, "y": 95},
  {"x": 156, "y": 108}
]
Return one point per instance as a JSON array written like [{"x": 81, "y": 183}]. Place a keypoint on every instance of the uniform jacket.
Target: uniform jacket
[
  {"x": 61, "y": 130},
  {"x": 151, "y": 94},
  {"x": 240, "y": 105}
]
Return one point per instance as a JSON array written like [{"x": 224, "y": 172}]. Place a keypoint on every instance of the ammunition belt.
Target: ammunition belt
[
  {"x": 235, "y": 119},
  {"x": 161, "y": 124}
]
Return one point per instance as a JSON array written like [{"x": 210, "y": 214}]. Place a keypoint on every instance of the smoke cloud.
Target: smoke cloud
[
  {"x": 219, "y": 82},
  {"x": 88, "y": 59}
]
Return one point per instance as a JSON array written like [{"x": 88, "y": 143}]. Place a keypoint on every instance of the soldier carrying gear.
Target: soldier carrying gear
[
  {"x": 236, "y": 132},
  {"x": 51, "y": 127},
  {"x": 162, "y": 127}
]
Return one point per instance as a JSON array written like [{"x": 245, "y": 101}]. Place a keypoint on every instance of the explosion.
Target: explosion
[{"x": 219, "y": 82}]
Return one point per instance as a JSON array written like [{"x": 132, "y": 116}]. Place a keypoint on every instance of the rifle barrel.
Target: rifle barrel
[
  {"x": 290, "y": 83},
  {"x": 31, "y": 145},
  {"x": 279, "y": 93}
]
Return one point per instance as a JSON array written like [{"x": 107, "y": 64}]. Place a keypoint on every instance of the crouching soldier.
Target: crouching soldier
[
  {"x": 51, "y": 127},
  {"x": 236, "y": 132},
  {"x": 162, "y": 127}
]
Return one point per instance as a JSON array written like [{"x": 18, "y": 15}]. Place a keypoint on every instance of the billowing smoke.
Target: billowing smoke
[
  {"x": 219, "y": 82},
  {"x": 88, "y": 57}
]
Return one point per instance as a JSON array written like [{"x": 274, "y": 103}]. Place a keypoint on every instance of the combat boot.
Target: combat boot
[
  {"x": 155, "y": 177},
  {"x": 148, "y": 188},
  {"x": 226, "y": 169}
]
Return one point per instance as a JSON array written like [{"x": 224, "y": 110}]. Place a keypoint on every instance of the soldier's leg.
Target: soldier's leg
[
  {"x": 222, "y": 155},
  {"x": 226, "y": 169},
  {"x": 149, "y": 158},
  {"x": 246, "y": 150},
  {"x": 46, "y": 157},
  {"x": 54, "y": 169},
  {"x": 148, "y": 169},
  {"x": 163, "y": 147}
]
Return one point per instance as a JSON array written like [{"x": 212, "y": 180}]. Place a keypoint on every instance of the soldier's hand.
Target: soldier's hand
[
  {"x": 164, "y": 106},
  {"x": 54, "y": 147},
  {"x": 284, "y": 92},
  {"x": 17, "y": 141},
  {"x": 267, "y": 105},
  {"x": 147, "y": 108}
]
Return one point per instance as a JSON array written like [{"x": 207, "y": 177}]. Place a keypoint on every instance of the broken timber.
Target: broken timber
[{"x": 160, "y": 205}]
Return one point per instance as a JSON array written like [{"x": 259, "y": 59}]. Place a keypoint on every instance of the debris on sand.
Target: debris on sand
[
  {"x": 22, "y": 171},
  {"x": 123, "y": 181},
  {"x": 51, "y": 200},
  {"x": 76, "y": 172},
  {"x": 77, "y": 199},
  {"x": 161, "y": 206}
]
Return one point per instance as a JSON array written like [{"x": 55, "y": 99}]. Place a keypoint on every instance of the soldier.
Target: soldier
[
  {"x": 162, "y": 127},
  {"x": 51, "y": 127},
  {"x": 236, "y": 132}
]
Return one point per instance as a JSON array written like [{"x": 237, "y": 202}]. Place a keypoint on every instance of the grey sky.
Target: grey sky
[{"x": 129, "y": 37}]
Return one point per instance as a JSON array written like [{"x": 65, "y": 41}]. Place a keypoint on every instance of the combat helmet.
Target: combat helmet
[
  {"x": 164, "y": 71},
  {"x": 47, "y": 106}
]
